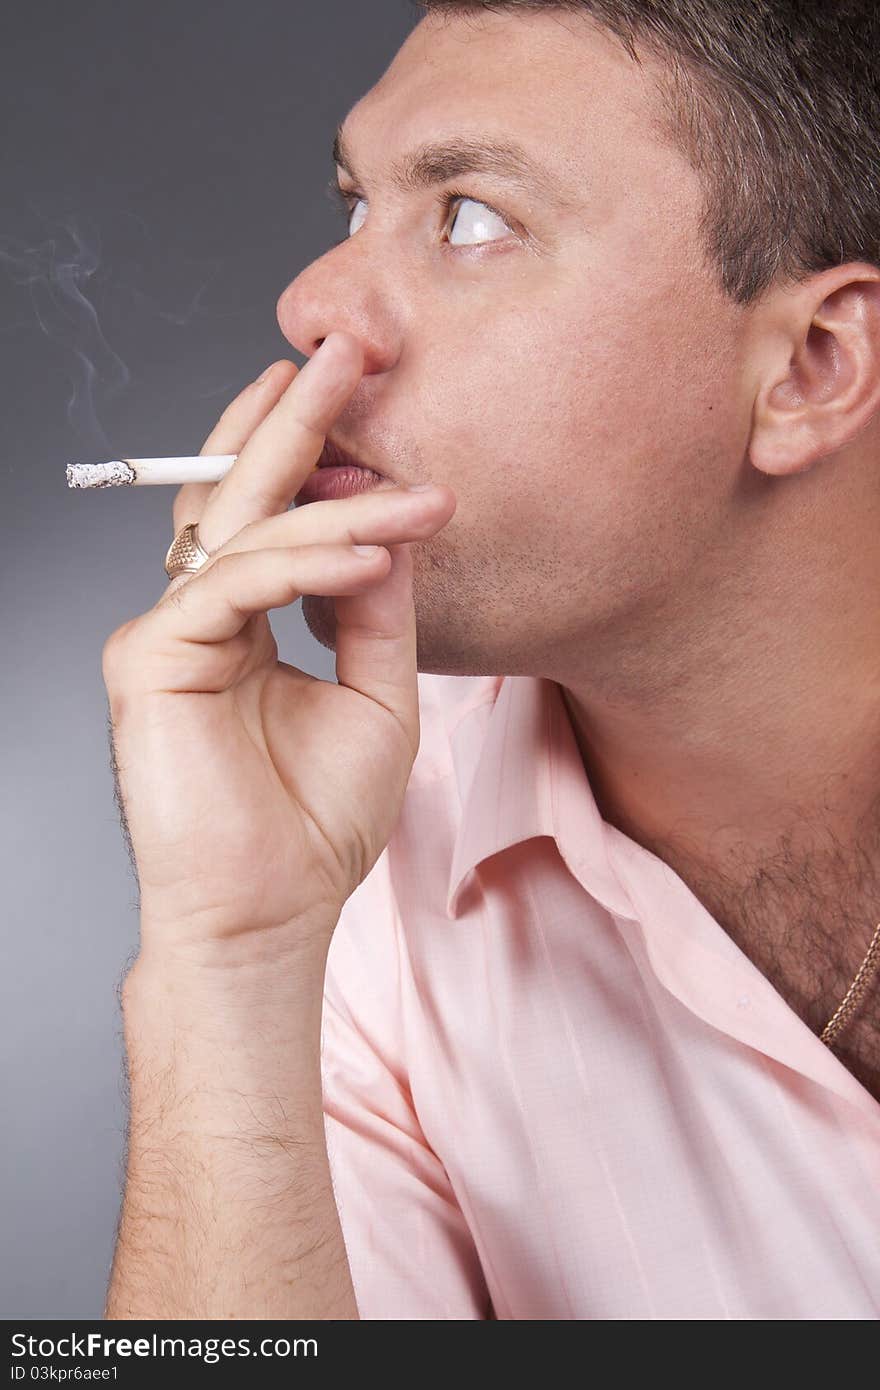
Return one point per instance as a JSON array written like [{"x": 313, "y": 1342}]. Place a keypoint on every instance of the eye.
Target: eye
[
  {"x": 351, "y": 204},
  {"x": 480, "y": 224},
  {"x": 478, "y": 217}
]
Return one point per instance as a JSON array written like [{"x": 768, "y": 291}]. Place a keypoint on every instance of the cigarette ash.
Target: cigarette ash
[{"x": 100, "y": 474}]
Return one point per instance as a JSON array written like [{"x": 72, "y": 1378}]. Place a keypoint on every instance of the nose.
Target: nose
[{"x": 340, "y": 290}]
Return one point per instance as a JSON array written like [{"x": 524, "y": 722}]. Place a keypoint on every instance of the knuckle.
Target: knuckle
[
  {"x": 114, "y": 641},
  {"x": 263, "y": 497},
  {"x": 173, "y": 597},
  {"x": 174, "y": 587},
  {"x": 112, "y": 652},
  {"x": 223, "y": 562},
  {"x": 182, "y": 497},
  {"x": 189, "y": 503}
]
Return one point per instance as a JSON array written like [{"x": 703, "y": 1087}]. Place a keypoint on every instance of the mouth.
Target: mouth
[{"x": 334, "y": 456}]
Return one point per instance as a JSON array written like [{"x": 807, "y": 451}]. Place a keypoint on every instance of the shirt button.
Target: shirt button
[{"x": 744, "y": 1001}]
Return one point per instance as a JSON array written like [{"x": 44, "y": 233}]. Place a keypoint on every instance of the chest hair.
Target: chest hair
[{"x": 806, "y": 922}]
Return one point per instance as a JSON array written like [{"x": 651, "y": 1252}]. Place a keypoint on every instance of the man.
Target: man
[{"x": 571, "y": 1052}]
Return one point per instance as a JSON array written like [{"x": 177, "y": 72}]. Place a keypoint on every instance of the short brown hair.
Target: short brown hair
[{"x": 776, "y": 104}]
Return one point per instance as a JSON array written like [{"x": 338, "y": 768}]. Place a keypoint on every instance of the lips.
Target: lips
[{"x": 334, "y": 456}]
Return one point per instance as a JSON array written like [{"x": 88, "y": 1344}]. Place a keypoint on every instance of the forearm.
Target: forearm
[{"x": 228, "y": 1211}]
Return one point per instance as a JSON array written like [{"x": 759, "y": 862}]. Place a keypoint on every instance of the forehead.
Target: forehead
[{"x": 554, "y": 83}]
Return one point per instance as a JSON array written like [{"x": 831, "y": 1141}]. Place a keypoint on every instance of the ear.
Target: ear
[{"x": 821, "y": 374}]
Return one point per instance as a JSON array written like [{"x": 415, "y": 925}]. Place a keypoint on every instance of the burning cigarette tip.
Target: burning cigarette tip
[{"x": 110, "y": 474}]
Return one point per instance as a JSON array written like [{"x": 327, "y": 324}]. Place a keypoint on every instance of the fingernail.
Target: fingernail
[
  {"x": 420, "y": 487},
  {"x": 266, "y": 374}
]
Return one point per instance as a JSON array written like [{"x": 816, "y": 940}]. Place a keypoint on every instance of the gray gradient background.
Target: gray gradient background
[{"x": 163, "y": 168}]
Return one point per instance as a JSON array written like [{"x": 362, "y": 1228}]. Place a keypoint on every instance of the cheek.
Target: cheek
[
  {"x": 649, "y": 386},
  {"x": 622, "y": 405},
  {"x": 501, "y": 386},
  {"x": 532, "y": 397}
]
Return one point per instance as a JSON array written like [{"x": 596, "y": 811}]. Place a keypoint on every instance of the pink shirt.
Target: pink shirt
[{"x": 553, "y": 1086}]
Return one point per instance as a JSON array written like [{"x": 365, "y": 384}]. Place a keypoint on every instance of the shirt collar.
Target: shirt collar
[
  {"x": 520, "y": 774},
  {"x": 529, "y": 779}
]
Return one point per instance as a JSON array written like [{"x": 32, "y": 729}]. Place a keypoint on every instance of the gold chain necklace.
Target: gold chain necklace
[{"x": 854, "y": 994}]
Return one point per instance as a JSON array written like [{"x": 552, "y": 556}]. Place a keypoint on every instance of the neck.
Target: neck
[{"x": 736, "y": 731}]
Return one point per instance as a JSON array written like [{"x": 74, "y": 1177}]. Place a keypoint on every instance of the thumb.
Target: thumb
[{"x": 376, "y": 641}]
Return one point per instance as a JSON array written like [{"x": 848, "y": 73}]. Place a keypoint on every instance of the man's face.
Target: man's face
[{"x": 576, "y": 377}]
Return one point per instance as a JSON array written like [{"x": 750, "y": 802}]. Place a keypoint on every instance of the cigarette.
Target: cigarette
[{"x": 205, "y": 468}]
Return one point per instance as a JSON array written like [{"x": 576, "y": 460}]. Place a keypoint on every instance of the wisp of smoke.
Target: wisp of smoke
[{"x": 58, "y": 273}]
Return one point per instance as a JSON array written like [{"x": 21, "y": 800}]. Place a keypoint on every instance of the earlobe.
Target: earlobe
[{"x": 828, "y": 392}]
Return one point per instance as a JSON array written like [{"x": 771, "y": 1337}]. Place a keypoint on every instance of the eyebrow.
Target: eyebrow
[{"x": 435, "y": 162}]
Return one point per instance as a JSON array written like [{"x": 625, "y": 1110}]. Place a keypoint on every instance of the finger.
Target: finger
[
  {"x": 279, "y": 455},
  {"x": 384, "y": 516},
  {"x": 231, "y": 433},
  {"x": 376, "y": 642},
  {"x": 375, "y": 636},
  {"x": 172, "y": 641}
]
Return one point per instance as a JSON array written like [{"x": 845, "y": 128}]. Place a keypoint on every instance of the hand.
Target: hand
[{"x": 257, "y": 795}]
